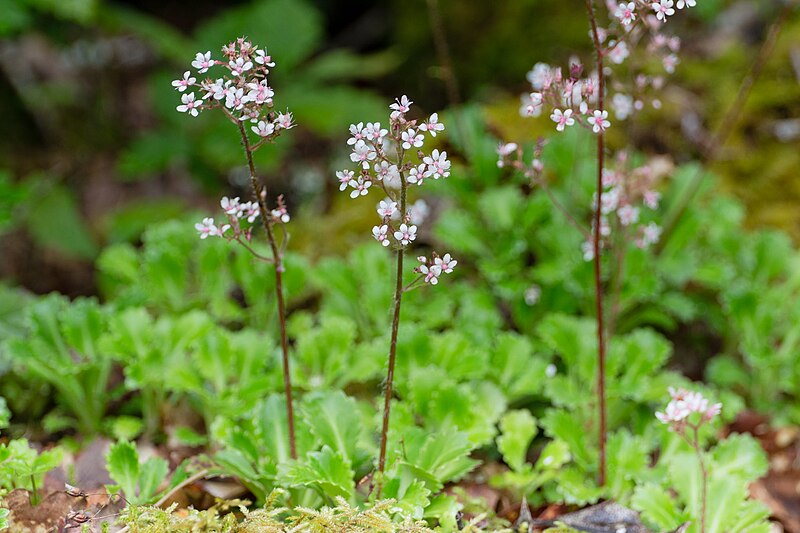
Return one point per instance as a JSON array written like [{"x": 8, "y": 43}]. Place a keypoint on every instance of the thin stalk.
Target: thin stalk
[
  {"x": 398, "y": 295},
  {"x": 598, "y": 287},
  {"x": 261, "y": 196},
  {"x": 704, "y": 494},
  {"x": 725, "y": 127}
]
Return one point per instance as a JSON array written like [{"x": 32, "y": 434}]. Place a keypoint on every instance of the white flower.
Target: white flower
[
  {"x": 623, "y": 105},
  {"x": 431, "y": 273},
  {"x": 386, "y": 172},
  {"x": 357, "y": 133},
  {"x": 374, "y": 132},
  {"x": 599, "y": 121},
  {"x": 263, "y": 129},
  {"x": 284, "y": 121},
  {"x": 281, "y": 214},
  {"x": 417, "y": 175},
  {"x": 506, "y": 149},
  {"x": 202, "y": 62},
  {"x": 562, "y": 118},
  {"x": 670, "y": 62},
  {"x": 619, "y": 52},
  {"x": 445, "y": 263},
  {"x": 222, "y": 88},
  {"x": 363, "y": 153},
  {"x": 263, "y": 58},
  {"x": 609, "y": 201},
  {"x": 539, "y": 75},
  {"x": 438, "y": 165},
  {"x": 532, "y": 295},
  {"x": 400, "y": 106},
  {"x": 249, "y": 210},
  {"x": 626, "y": 13},
  {"x": 379, "y": 232},
  {"x": 184, "y": 83},
  {"x": 432, "y": 125},
  {"x": 239, "y": 66},
  {"x": 260, "y": 92},
  {"x": 231, "y": 206},
  {"x": 412, "y": 138},
  {"x": 235, "y": 99},
  {"x": 651, "y": 199},
  {"x": 190, "y": 105},
  {"x": 418, "y": 212},
  {"x": 531, "y": 105},
  {"x": 651, "y": 233},
  {"x": 663, "y": 9},
  {"x": 386, "y": 208},
  {"x": 686, "y": 3},
  {"x": 206, "y": 228},
  {"x": 588, "y": 250},
  {"x": 344, "y": 178},
  {"x": 405, "y": 234},
  {"x": 360, "y": 187},
  {"x": 628, "y": 215}
]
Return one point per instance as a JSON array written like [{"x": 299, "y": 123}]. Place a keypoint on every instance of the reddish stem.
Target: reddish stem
[
  {"x": 598, "y": 287},
  {"x": 261, "y": 196}
]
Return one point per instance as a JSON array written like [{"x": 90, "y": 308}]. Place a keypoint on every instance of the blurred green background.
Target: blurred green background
[{"x": 92, "y": 149}]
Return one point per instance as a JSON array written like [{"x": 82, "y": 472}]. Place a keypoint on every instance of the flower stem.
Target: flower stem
[
  {"x": 261, "y": 196},
  {"x": 598, "y": 288},
  {"x": 704, "y": 472},
  {"x": 398, "y": 295}
]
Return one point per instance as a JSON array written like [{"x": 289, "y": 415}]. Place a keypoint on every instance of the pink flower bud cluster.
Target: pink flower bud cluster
[
  {"x": 383, "y": 158},
  {"x": 243, "y": 92},
  {"x": 687, "y": 409}
]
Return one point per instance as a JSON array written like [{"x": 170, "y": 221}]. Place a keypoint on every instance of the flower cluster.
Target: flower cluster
[
  {"x": 683, "y": 405},
  {"x": 390, "y": 158},
  {"x": 432, "y": 268},
  {"x": 242, "y": 92},
  {"x": 238, "y": 213}
]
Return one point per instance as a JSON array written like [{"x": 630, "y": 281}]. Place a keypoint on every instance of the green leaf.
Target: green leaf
[
  {"x": 334, "y": 420},
  {"x": 438, "y": 457},
  {"x": 55, "y": 222},
  {"x": 657, "y": 507},
  {"x": 325, "y": 470},
  {"x": 122, "y": 462},
  {"x": 153, "y": 472},
  {"x": 518, "y": 429}
]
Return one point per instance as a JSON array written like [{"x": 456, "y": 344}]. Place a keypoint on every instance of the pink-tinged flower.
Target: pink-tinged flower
[
  {"x": 713, "y": 410},
  {"x": 386, "y": 172},
  {"x": 663, "y": 9},
  {"x": 363, "y": 153},
  {"x": 412, "y": 138},
  {"x": 405, "y": 234},
  {"x": 539, "y": 76},
  {"x": 418, "y": 212},
  {"x": 438, "y": 165},
  {"x": 537, "y": 165},
  {"x": 417, "y": 175},
  {"x": 206, "y": 228},
  {"x": 345, "y": 176},
  {"x": 221, "y": 89},
  {"x": 651, "y": 199},
  {"x": 240, "y": 65},
  {"x": 609, "y": 201},
  {"x": 562, "y": 118},
  {"x": 400, "y": 106},
  {"x": 626, "y": 13},
  {"x": 628, "y": 215},
  {"x": 670, "y": 62},
  {"x": 260, "y": 93},
  {"x": 250, "y": 211},
  {"x": 202, "y": 62},
  {"x": 619, "y": 53},
  {"x": 676, "y": 411},
  {"x": 504, "y": 150},
  {"x": 231, "y": 206},
  {"x": 263, "y": 128},
  {"x": 432, "y": 125},
  {"x": 387, "y": 208},
  {"x": 379, "y": 232},
  {"x": 373, "y": 132},
  {"x": 235, "y": 99},
  {"x": 431, "y": 273},
  {"x": 609, "y": 177},
  {"x": 190, "y": 105},
  {"x": 651, "y": 233},
  {"x": 622, "y": 105},
  {"x": 284, "y": 121},
  {"x": 599, "y": 121},
  {"x": 531, "y": 105},
  {"x": 587, "y": 247},
  {"x": 360, "y": 187},
  {"x": 183, "y": 84},
  {"x": 686, "y": 3},
  {"x": 263, "y": 58},
  {"x": 356, "y": 133},
  {"x": 683, "y": 404},
  {"x": 445, "y": 263}
]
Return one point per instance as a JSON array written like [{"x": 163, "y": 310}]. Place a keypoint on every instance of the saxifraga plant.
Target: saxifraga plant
[
  {"x": 621, "y": 188},
  {"x": 243, "y": 94},
  {"x": 385, "y": 159}
]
